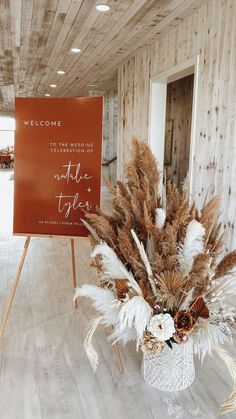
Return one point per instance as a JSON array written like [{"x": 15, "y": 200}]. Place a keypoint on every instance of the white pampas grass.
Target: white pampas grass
[
  {"x": 192, "y": 246},
  {"x": 103, "y": 300},
  {"x": 160, "y": 218},
  {"x": 124, "y": 336},
  {"x": 206, "y": 336},
  {"x": 135, "y": 313},
  {"x": 88, "y": 345},
  {"x": 113, "y": 267},
  {"x": 230, "y": 404},
  {"x": 145, "y": 260}
]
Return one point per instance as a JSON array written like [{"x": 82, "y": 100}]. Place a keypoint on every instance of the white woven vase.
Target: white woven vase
[{"x": 172, "y": 369}]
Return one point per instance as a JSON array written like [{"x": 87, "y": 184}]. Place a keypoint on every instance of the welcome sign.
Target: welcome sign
[{"x": 57, "y": 164}]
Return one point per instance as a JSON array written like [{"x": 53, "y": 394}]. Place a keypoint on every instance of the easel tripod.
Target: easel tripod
[{"x": 74, "y": 284}]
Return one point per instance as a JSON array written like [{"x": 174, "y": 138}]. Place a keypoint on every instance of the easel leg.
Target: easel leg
[
  {"x": 117, "y": 354},
  {"x": 118, "y": 358},
  {"x": 74, "y": 282},
  {"x": 11, "y": 298}
]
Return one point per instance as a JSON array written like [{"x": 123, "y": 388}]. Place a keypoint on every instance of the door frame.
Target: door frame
[{"x": 157, "y": 100}]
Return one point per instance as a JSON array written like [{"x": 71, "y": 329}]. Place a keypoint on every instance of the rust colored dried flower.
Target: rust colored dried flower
[
  {"x": 184, "y": 321},
  {"x": 180, "y": 338},
  {"x": 150, "y": 344}
]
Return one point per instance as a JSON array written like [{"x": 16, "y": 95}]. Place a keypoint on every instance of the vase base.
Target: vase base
[{"x": 170, "y": 370}]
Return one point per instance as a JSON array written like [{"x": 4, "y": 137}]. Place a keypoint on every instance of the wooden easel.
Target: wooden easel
[{"x": 74, "y": 284}]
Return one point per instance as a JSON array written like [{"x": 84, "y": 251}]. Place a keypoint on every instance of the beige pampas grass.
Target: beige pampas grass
[
  {"x": 226, "y": 265},
  {"x": 230, "y": 404}
]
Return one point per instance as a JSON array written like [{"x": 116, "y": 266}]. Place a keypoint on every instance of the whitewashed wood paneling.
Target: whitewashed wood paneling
[
  {"x": 210, "y": 32},
  {"x": 109, "y": 149}
]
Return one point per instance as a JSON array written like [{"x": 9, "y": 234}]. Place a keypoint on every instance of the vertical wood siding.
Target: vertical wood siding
[{"x": 210, "y": 32}]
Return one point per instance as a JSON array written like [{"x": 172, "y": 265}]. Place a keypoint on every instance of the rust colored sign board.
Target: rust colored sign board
[{"x": 57, "y": 164}]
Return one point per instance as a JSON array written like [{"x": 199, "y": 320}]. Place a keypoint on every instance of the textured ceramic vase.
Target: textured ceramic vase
[{"x": 172, "y": 369}]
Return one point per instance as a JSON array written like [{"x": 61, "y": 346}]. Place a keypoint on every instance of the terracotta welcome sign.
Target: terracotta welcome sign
[{"x": 57, "y": 164}]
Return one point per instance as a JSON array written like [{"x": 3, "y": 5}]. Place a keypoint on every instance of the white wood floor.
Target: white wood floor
[{"x": 44, "y": 371}]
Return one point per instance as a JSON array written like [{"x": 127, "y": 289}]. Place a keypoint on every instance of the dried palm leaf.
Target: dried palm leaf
[
  {"x": 170, "y": 281},
  {"x": 121, "y": 288},
  {"x": 199, "y": 308}
]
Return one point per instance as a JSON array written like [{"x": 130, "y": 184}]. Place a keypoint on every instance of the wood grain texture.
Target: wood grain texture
[
  {"x": 44, "y": 371},
  {"x": 37, "y": 35},
  {"x": 179, "y": 99},
  {"x": 209, "y": 31}
]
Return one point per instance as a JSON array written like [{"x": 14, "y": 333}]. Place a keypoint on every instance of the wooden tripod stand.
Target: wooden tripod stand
[{"x": 74, "y": 284}]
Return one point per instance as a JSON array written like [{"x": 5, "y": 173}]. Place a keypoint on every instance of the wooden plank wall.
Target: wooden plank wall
[
  {"x": 179, "y": 112},
  {"x": 210, "y": 32},
  {"x": 109, "y": 149}
]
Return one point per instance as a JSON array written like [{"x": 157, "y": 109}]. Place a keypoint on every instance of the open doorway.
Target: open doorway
[
  {"x": 179, "y": 100},
  {"x": 173, "y": 119}
]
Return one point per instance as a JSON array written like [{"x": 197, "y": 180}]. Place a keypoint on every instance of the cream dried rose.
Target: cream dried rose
[{"x": 162, "y": 326}]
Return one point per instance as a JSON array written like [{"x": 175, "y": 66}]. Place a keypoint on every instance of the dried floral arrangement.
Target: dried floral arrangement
[
  {"x": 7, "y": 157},
  {"x": 163, "y": 279}
]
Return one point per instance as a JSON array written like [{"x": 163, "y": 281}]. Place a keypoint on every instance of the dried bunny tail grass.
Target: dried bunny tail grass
[
  {"x": 230, "y": 404},
  {"x": 226, "y": 265},
  {"x": 209, "y": 214}
]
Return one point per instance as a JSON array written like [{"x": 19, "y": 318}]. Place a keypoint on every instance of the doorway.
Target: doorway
[
  {"x": 179, "y": 100},
  {"x": 172, "y": 119}
]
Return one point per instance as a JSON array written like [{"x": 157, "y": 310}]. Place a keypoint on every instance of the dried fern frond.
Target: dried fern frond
[{"x": 226, "y": 265}]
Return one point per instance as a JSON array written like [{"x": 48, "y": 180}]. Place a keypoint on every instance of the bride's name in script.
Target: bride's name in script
[
  {"x": 72, "y": 173},
  {"x": 68, "y": 203}
]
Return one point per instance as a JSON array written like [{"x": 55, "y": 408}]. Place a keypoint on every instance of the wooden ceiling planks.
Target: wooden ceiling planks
[{"x": 36, "y": 37}]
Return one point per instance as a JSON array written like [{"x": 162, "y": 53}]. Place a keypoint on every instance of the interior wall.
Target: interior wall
[
  {"x": 109, "y": 147},
  {"x": 179, "y": 100},
  {"x": 210, "y": 32}
]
